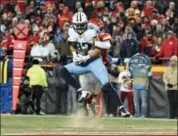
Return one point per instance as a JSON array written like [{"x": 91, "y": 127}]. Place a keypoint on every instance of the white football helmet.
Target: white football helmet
[{"x": 80, "y": 22}]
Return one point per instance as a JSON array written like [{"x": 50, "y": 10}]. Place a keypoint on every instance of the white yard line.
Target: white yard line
[
  {"x": 92, "y": 133},
  {"x": 114, "y": 118}
]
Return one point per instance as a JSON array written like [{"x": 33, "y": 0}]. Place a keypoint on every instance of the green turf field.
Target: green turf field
[{"x": 15, "y": 124}]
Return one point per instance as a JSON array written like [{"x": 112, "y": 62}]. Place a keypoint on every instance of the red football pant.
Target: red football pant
[{"x": 129, "y": 96}]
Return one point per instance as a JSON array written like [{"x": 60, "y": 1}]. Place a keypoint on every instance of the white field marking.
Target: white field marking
[
  {"x": 93, "y": 133},
  {"x": 94, "y": 129},
  {"x": 114, "y": 118}
]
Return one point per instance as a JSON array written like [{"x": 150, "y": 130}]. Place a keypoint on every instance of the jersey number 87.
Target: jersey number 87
[{"x": 83, "y": 46}]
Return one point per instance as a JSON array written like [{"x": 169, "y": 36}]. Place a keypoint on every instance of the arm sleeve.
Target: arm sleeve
[{"x": 103, "y": 45}]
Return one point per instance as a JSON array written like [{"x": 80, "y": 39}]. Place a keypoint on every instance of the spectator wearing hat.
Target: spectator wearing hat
[
  {"x": 66, "y": 16},
  {"x": 169, "y": 46},
  {"x": 39, "y": 50},
  {"x": 98, "y": 12},
  {"x": 128, "y": 29},
  {"x": 130, "y": 46},
  {"x": 171, "y": 86},
  {"x": 126, "y": 86},
  {"x": 38, "y": 82},
  {"x": 148, "y": 9}
]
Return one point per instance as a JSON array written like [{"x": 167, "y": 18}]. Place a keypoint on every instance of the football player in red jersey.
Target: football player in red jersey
[
  {"x": 105, "y": 44},
  {"x": 89, "y": 81}
]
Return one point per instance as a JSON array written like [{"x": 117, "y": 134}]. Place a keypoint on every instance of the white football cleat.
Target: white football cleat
[
  {"x": 124, "y": 112},
  {"x": 83, "y": 95}
]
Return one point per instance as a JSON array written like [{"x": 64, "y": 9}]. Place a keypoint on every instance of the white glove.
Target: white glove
[
  {"x": 77, "y": 59},
  {"x": 85, "y": 58}
]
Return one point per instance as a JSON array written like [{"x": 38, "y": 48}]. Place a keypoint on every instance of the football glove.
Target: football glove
[
  {"x": 85, "y": 58},
  {"x": 76, "y": 58},
  {"x": 170, "y": 85}
]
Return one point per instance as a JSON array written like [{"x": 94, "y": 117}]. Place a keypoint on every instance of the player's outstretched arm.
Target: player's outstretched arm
[
  {"x": 103, "y": 44},
  {"x": 96, "y": 51}
]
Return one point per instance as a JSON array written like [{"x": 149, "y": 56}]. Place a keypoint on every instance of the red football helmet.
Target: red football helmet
[{"x": 97, "y": 22}]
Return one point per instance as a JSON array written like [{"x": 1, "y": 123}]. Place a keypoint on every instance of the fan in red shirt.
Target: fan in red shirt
[
  {"x": 147, "y": 43},
  {"x": 7, "y": 42},
  {"x": 148, "y": 9},
  {"x": 66, "y": 16},
  {"x": 169, "y": 46},
  {"x": 99, "y": 11}
]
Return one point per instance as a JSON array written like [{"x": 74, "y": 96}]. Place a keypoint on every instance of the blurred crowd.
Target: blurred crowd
[{"x": 146, "y": 26}]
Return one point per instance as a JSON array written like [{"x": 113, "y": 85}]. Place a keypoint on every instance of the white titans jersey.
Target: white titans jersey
[{"x": 84, "y": 41}]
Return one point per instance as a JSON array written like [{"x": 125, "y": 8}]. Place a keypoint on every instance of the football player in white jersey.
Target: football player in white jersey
[{"x": 85, "y": 47}]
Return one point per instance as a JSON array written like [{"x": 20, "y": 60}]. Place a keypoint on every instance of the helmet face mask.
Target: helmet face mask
[
  {"x": 80, "y": 27},
  {"x": 80, "y": 22}
]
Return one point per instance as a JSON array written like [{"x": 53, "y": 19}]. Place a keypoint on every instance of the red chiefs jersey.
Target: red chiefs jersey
[
  {"x": 104, "y": 54},
  {"x": 7, "y": 43},
  {"x": 21, "y": 4}
]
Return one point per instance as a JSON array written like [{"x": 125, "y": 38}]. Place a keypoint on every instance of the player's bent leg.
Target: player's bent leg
[
  {"x": 114, "y": 100},
  {"x": 66, "y": 73},
  {"x": 100, "y": 71}
]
